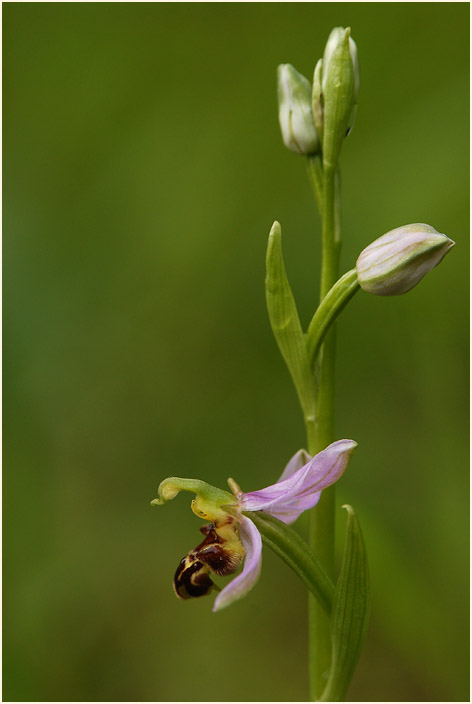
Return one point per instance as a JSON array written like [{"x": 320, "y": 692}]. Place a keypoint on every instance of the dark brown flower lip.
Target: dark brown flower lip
[{"x": 192, "y": 579}]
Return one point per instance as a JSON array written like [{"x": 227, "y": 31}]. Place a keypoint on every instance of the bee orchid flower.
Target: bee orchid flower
[{"x": 231, "y": 538}]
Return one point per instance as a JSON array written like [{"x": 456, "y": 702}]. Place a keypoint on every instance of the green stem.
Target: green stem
[
  {"x": 321, "y": 434},
  {"x": 330, "y": 233},
  {"x": 315, "y": 176},
  {"x": 337, "y": 208},
  {"x": 287, "y": 544}
]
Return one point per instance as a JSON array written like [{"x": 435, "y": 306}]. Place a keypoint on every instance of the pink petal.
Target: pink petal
[
  {"x": 301, "y": 490},
  {"x": 292, "y": 509},
  {"x": 296, "y": 462},
  {"x": 240, "y": 585}
]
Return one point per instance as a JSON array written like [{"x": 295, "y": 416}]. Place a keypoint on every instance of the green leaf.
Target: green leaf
[
  {"x": 288, "y": 545},
  {"x": 350, "y": 615},
  {"x": 286, "y": 324}
]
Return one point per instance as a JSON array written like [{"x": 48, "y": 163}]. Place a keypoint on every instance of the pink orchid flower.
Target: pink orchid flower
[{"x": 232, "y": 537}]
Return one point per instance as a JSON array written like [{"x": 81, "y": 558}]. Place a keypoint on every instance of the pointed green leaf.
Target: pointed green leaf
[
  {"x": 350, "y": 615},
  {"x": 285, "y": 322}
]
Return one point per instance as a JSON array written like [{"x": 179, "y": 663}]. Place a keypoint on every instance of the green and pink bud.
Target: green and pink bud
[{"x": 394, "y": 263}]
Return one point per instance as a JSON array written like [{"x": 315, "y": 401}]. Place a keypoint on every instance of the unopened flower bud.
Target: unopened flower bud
[
  {"x": 398, "y": 260},
  {"x": 355, "y": 64},
  {"x": 339, "y": 90},
  {"x": 337, "y": 35},
  {"x": 295, "y": 112},
  {"x": 317, "y": 98}
]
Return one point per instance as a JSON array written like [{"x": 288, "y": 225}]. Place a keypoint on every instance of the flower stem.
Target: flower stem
[
  {"x": 315, "y": 176},
  {"x": 321, "y": 434},
  {"x": 330, "y": 307}
]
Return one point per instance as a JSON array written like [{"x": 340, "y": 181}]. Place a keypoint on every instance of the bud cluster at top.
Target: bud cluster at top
[{"x": 316, "y": 118}]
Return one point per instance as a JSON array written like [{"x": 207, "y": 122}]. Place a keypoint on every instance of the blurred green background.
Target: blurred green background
[{"x": 143, "y": 168}]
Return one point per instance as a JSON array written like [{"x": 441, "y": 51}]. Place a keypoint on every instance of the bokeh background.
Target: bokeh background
[{"x": 143, "y": 168}]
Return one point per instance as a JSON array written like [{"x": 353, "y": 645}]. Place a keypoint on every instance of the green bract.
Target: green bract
[
  {"x": 350, "y": 615},
  {"x": 285, "y": 322}
]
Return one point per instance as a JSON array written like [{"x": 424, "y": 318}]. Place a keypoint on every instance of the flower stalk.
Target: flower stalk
[
  {"x": 314, "y": 122},
  {"x": 330, "y": 307}
]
